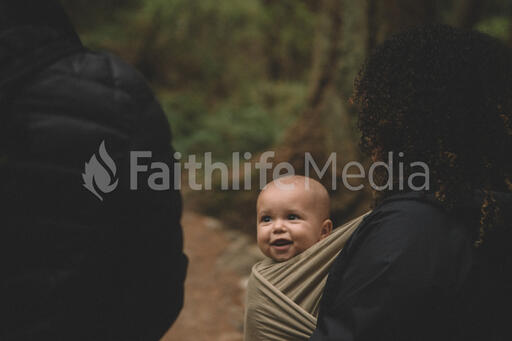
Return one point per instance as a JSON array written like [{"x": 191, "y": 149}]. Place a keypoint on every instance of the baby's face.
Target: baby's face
[{"x": 288, "y": 222}]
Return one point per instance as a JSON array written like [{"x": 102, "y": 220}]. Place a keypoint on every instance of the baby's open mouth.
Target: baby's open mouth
[{"x": 281, "y": 242}]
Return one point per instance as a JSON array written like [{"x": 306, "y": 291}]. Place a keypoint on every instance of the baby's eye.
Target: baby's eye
[
  {"x": 292, "y": 216},
  {"x": 265, "y": 218}
]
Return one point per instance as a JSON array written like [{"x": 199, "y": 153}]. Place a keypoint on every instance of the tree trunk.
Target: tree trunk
[
  {"x": 307, "y": 134},
  {"x": 371, "y": 17}
]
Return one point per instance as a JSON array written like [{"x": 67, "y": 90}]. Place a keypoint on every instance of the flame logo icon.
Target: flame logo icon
[{"x": 98, "y": 177}]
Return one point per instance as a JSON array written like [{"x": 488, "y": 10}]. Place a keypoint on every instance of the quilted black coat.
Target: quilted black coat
[{"x": 76, "y": 266}]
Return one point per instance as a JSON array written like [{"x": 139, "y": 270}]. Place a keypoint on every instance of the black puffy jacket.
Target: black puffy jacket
[{"x": 74, "y": 267}]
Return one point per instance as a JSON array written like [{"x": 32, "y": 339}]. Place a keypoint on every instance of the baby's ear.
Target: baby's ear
[{"x": 326, "y": 228}]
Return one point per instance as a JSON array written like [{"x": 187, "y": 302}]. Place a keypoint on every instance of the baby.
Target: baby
[{"x": 292, "y": 215}]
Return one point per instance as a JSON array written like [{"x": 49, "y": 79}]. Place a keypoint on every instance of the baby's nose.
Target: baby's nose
[{"x": 279, "y": 226}]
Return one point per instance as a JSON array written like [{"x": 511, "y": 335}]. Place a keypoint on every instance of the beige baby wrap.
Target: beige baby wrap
[{"x": 283, "y": 298}]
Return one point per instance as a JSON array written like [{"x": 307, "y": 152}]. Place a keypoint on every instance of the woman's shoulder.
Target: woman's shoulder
[
  {"x": 412, "y": 212},
  {"x": 411, "y": 221}
]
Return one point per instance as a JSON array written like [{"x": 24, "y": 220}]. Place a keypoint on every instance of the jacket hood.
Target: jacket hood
[
  {"x": 33, "y": 34},
  {"x": 37, "y": 13}
]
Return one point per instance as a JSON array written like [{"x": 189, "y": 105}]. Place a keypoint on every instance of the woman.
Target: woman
[{"x": 431, "y": 264}]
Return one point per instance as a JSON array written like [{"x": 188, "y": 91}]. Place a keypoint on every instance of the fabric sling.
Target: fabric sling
[{"x": 283, "y": 297}]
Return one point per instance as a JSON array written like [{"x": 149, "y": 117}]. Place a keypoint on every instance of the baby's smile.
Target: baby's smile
[{"x": 281, "y": 245}]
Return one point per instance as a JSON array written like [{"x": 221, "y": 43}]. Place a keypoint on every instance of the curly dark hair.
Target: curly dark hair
[{"x": 442, "y": 96}]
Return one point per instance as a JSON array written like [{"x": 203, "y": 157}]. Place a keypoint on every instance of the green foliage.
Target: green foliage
[
  {"x": 250, "y": 123},
  {"x": 289, "y": 26},
  {"x": 209, "y": 44},
  {"x": 497, "y": 27},
  {"x": 87, "y": 14}
]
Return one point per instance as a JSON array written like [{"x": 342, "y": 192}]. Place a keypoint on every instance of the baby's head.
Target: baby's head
[{"x": 292, "y": 215}]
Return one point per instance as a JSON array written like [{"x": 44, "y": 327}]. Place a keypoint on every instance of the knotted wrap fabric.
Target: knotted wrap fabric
[{"x": 283, "y": 297}]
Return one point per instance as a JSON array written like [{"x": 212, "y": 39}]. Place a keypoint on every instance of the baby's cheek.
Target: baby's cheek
[
  {"x": 260, "y": 237},
  {"x": 306, "y": 243},
  {"x": 262, "y": 242}
]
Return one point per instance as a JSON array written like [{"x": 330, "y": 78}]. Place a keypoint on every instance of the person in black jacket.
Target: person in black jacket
[
  {"x": 78, "y": 265},
  {"x": 431, "y": 261}
]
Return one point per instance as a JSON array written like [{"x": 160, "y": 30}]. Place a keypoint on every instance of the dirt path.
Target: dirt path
[{"x": 214, "y": 292}]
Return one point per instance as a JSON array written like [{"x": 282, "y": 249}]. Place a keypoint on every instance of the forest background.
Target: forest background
[{"x": 257, "y": 75}]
